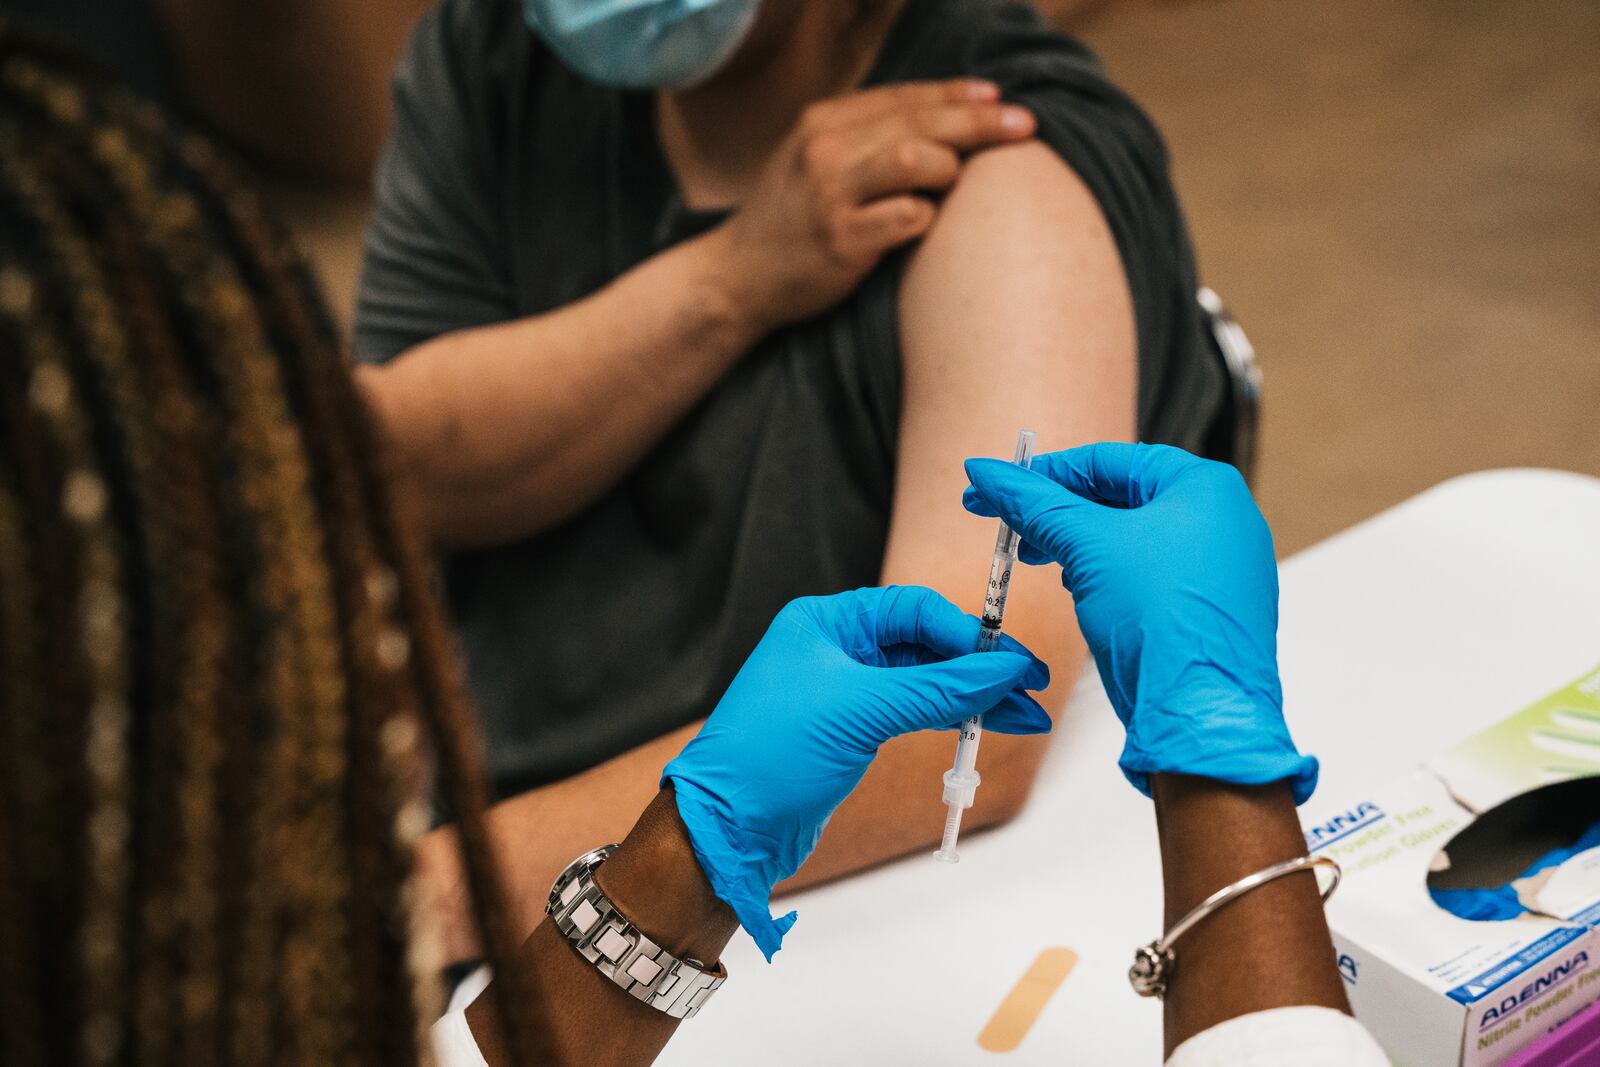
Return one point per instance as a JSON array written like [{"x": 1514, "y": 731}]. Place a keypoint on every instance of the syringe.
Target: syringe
[{"x": 961, "y": 780}]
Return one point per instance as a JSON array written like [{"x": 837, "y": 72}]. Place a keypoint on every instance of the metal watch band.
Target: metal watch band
[{"x": 619, "y": 950}]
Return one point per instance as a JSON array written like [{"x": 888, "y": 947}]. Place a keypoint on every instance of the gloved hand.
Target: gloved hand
[
  {"x": 834, "y": 678},
  {"x": 1170, "y": 564},
  {"x": 1509, "y": 901}
]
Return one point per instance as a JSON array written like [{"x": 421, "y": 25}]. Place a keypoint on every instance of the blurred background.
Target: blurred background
[{"x": 1400, "y": 200}]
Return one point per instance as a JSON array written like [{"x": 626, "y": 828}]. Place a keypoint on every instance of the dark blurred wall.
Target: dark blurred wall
[{"x": 124, "y": 34}]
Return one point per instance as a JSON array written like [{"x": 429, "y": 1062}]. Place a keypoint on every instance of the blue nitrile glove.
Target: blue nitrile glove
[
  {"x": 834, "y": 678},
  {"x": 1504, "y": 902},
  {"x": 1170, "y": 564}
]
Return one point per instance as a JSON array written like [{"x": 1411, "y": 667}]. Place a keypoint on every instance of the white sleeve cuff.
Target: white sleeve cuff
[
  {"x": 1283, "y": 1037},
  {"x": 453, "y": 1043}
]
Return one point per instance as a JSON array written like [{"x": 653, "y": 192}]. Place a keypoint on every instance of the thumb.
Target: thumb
[
  {"x": 941, "y": 694},
  {"x": 1049, "y": 519}
]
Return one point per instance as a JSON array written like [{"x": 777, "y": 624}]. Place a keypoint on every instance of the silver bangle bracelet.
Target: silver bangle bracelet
[{"x": 1153, "y": 963}]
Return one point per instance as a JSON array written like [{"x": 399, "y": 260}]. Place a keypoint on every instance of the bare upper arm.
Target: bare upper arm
[{"x": 1014, "y": 313}]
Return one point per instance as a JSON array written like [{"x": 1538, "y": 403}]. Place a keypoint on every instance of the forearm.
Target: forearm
[
  {"x": 505, "y": 430},
  {"x": 539, "y": 832},
  {"x": 653, "y": 879},
  {"x": 1269, "y": 948},
  {"x": 897, "y": 808}
]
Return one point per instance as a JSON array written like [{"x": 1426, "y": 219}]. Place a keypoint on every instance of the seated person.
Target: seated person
[
  {"x": 223, "y": 686},
  {"x": 655, "y": 365},
  {"x": 224, "y": 682}
]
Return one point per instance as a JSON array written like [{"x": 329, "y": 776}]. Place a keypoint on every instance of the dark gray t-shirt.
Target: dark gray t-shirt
[{"x": 511, "y": 187}]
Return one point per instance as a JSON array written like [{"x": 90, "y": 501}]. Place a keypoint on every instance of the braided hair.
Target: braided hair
[{"x": 225, "y": 689}]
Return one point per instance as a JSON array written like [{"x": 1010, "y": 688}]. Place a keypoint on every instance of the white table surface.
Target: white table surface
[{"x": 1397, "y": 637}]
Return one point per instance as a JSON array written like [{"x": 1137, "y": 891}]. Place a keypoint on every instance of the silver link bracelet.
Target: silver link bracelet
[{"x": 620, "y": 950}]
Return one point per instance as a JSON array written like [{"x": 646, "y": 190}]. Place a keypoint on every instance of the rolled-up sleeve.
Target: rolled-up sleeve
[{"x": 435, "y": 258}]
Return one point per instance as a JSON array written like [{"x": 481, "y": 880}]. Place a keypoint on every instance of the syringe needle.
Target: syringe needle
[{"x": 961, "y": 780}]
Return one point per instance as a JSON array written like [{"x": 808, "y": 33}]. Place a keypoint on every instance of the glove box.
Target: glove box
[{"x": 1468, "y": 924}]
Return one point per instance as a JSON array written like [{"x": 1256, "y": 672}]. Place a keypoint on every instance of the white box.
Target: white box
[{"x": 1437, "y": 990}]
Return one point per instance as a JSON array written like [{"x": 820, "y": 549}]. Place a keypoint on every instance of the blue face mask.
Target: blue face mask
[{"x": 642, "y": 44}]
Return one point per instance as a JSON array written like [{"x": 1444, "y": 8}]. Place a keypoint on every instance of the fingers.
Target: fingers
[
  {"x": 1114, "y": 474},
  {"x": 1117, "y": 473},
  {"x": 1099, "y": 472},
  {"x": 938, "y": 694},
  {"x": 1108, "y": 472},
  {"x": 910, "y": 615},
  {"x": 967, "y": 127},
  {"x": 922, "y": 148},
  {"x": 901, "y": 165},
  {"x": 1017, "y": 713},
  {"x": 884, "y": 224},
  {"x": 914, "y": 615},
  {"x": 865, "y": 155},
  {"x": 1050, "y": 519}
]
